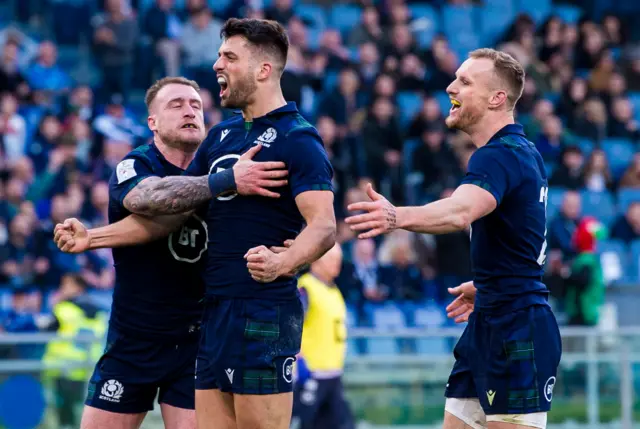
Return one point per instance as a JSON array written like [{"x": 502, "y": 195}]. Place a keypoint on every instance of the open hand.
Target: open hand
[
  {"x": 253, "y": 178},
  {"x": 379, "y": 219},
  {"x": 462, "y": 307},
  {"x": 72, "y": 236}
]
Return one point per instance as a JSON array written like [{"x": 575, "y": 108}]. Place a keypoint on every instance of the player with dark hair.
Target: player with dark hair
[
  {"x": 252, "y": 323},
  {"x": 153, "y": 335},
  {"x": 507, "y": 357}
]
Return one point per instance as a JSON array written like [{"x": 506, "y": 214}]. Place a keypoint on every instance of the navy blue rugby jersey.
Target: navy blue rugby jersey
[
  {"x": 159, "y": 285},
  {"x": 238, "y": 223},
  {"x": 508, "y": 246}
]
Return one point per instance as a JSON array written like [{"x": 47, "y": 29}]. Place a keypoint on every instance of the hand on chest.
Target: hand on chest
[{"x": 234, "y": 142}]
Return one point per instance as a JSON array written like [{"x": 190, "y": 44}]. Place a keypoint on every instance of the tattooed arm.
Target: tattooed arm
[{"x": 155, "y": 196}]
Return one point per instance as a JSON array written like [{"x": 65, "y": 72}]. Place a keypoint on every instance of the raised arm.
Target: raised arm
[
  {"x": 314, "y": 241},
  {"x": 73, "y": 237},
  {"x": 156, "y": 196}
]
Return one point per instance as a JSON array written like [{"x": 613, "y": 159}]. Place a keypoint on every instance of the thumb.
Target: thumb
[
  {"x": 455, "y": 290},
  {"x": 251, "y": 152},
  {"x": 373, "y": 194}
]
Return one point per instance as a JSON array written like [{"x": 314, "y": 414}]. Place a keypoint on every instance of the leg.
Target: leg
[
  {"x": 515, "y": 421},
  {"x": 464, "y": 413},
  {"x": 264, "y": 411},
  {"x": 94, "y": 418},
  {"x": 178, "y": 418},
  {"x": 214, "y": 410}
]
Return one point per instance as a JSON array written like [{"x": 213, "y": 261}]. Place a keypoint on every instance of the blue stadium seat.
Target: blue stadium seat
[
  {"x": 444, "y": 101},
  {"x": 457, "y": 20},
  {"x": 568, "y": 13},
  {"x": 600, "y": 205},
  {"x": 385, "y": 318},
  {"x": 538, "y": 10},
  {"x": 312, "y": 14},
  {"x": 352, "y": 317},
  {"x": 634, "y": 98},
  {"x": 619, "y": 153},
  {"x": 554, "y": 201},
  {"x": 431, "y": 316},
  {"x": 626, "y": 197},
  {"x": 344, "y": 17},
  {"x": 506, "y": 4},
  {"x": 614, "y": 260},
  {"x": 409, "y": 103},
  {"x": 425, "y": 23},
  {"x": 634, "y": 262},
  {"x": 494, "y": 21},
  {"x": 586, "y": 146}
]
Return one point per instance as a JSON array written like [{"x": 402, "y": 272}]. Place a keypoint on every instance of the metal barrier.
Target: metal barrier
[{"x": 620, "y": 352}]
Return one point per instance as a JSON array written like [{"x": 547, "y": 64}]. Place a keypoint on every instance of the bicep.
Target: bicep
[
  {"x": 477, "y": 201},
  {"x": 316, "y": 205}
]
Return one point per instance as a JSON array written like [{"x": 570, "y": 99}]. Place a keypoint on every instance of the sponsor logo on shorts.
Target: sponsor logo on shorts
[
  {"x": 111, "y": 391},
  {"x": 548, "y": 388},
  {"x": 287, "y": 370},
  {"x": 229, "y": 373}
]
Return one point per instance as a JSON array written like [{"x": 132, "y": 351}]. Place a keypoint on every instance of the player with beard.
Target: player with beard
[
  {"x": 507, "y": 357},
  {"x": 252, "y": 322},
  {"x": 153, "y": 333}
]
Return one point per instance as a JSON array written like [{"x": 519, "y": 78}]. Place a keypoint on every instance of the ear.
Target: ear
[
  {"x": 264, "y": 71},
  {"x": 151, "y": 122},
  {"x": 497, "y": 99}
]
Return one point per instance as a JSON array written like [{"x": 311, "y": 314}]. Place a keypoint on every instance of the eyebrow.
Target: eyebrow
[
  {"x": 227, "y": 52},
  {"x": 182, "y": 99}
]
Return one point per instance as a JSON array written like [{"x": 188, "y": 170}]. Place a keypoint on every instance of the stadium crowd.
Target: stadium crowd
[{"x": 370, "y": 75}]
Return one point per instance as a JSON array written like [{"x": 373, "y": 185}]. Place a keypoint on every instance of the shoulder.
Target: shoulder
[
  {"x": 297, "y": 126},
  {"x": 503, "y": 151},
  {"x": 218, "y": 132}
]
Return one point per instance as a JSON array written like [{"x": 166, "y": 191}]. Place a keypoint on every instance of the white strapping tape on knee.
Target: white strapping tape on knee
[
  {"x": 534, "y": 420},
  {"x": 468, "y": 410}
]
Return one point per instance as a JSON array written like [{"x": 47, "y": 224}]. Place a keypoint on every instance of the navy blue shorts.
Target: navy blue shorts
[
  {"x": 508, "y": 362},
  {"x": 133, "y": 371},
  {"x": 320, "y": 404},
  {"x": 248, "y": 346}
]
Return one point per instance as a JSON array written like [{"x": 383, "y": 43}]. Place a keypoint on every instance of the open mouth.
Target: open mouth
[
  {"x": 222, "y": 81},
  {"x": 455, "y": 105},
  {"x": 190, "y": 126}
]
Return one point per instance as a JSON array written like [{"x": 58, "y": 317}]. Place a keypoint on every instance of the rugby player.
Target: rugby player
[
  {"x": 153, "y": 334},
  {"x": 507, "y": 357},
  {"x": 252, "y": 323}
]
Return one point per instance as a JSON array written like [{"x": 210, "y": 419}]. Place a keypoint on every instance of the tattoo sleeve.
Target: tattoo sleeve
[{"x": 169, "y": 195}]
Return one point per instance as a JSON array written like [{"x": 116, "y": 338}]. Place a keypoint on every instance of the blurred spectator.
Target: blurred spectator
[
  {"x": 597, "y": 176},
  {"x": 45, "y": 141},
  {"x": 399, "y": 272},
  {"x": 115, "y": 124},
  {"x": 563, "y": 225},
  {"x": 627, "y": 227},
  {"x": 592, "y": 120},
  {"x": 552, "y": 138},
  {"x": 47, "y": 79},
  {"x": 280, "y": 10},
  {"x": 542, "y": 110},
  {"x": 115, "y": 38},
  {"x": 200, "y": 42},
  {"x": 622, "y": 123},
  {"x": 341, "y": 105},
  {"x": 435, "y": 161},
  {"x": 11, "y": 77},
  {"x": 18, "y": 255},
  {"x": 297, "y": 77},
  {"x": 12, "y": 129},
  {"x": 569, "y": 174},
  {"x": 428, "y": 117},
  {"x": 369, "y": 29},
  {"x": 163, "y": 25},
  {"x": 631, "y": 177},
  {"x": 574, "y": 95}
]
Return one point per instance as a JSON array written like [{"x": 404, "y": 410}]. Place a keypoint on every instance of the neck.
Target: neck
[
  {"x": 322, "y": 277},
  {"x": 180, "y": 157},
  {"x": 265, "y": 102},
  {"x": 482, "y": 132}
]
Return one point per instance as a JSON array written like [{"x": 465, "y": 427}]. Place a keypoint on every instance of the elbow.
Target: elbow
[
  {"x": 329, "y": 235},
  {"x": 461, "y": 221}
]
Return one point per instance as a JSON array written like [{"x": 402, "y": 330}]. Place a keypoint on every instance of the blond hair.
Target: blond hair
[
  {"x": 153, "y": 90},
  {"x": 508, "y": 70}
]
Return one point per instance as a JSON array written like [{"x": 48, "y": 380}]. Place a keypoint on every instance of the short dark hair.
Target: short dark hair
[
  {"x": 153, "y": 90},
  {"x": 264, "y": 34}
]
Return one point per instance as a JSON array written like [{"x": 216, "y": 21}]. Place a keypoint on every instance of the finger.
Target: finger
[
  {"x": 373, "y": 194},
  {"x": 455, "y": 303},
  {"x": 251, "y": 152},
  {"x": 464, "y": 317},
  {"x": 274, "y": 173},
  {"x": 363, "y": 218},
  {"x": 68, "y": 245},
  {"x": 278, "y": 249},
  {"x": 256, "y": 267},
  {"x": 455, "y": 290},
  {"x": 71, "y": 222},
  {"x": 363, "y": 206},
  {"x": 253, "y": 250},
  {"x": 265, "y": 193},
  {"x": 288, "y": 243},
  {"x": 366, "y": 225},
  {"x": 272, "y": 183},
  {"x": 373, "y": 233},
  {"x": 273, "y": 165},
  {"x": 458, "y": 311},
  {"x": 256, "y": 257}
]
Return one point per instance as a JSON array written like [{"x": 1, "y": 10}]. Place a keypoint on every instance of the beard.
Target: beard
[
  {"x": 188, "y": 143},
  {"x": 241, "y": 93},
  {"x": 465, "y": 119}
]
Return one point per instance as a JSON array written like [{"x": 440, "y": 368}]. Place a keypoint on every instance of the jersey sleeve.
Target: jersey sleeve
[
  {"x": 128, "y": 173},
  {"x": 307, "y": 161},
  {"x": 494, "y": 169},
  {"x": 199, "y": 166}
]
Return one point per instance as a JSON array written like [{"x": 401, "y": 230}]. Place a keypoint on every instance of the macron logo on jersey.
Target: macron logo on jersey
[
  {"x": 267, "y": 137},
  {"x": 223, "y": 134}
]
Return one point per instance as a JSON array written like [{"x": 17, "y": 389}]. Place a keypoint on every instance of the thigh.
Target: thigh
[
  {"x": 263, "y": 411},
  {"x": 178, "y": 418},
  {"x": 518, "y": 373},
  {"x": 460, "y": 413},
  {"x": 214, "y": 410},
  {"x": 95, "y": 418},
  {"x": 461, "y": 382}
]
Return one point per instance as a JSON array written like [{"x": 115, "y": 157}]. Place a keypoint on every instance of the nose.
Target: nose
[
  {"x": 217, "y": 66},
  {"x": 451, "y": 89}
]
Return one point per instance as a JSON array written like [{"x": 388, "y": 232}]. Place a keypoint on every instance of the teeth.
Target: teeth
[
  {"x": 222, "y": 80},
  {"x": 455, "y": 103}
]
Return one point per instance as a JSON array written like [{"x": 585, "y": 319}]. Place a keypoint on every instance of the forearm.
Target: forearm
[
  {"x": 313, "y": 242},
  {"x": 134, "y": 230},
  {"x": 440, "y": 217},
  {"x": 169, "y": 195}
]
